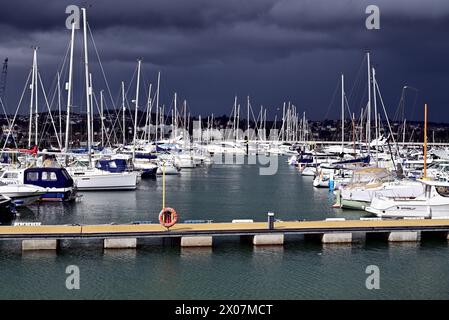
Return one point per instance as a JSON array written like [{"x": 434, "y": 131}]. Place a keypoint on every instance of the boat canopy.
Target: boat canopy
[
  {"x": 114, "y": 165},
  {"x": 47, "y": 177},
  {"x": 370, "y": 174}
]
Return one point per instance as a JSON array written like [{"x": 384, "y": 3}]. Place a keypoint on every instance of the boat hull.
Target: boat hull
[
  {"x": 354, "y": 204},
  {"x": 106, "y": 182},
  {"x": 59, "y": 195},
  {"x": 408, "y": 209}
]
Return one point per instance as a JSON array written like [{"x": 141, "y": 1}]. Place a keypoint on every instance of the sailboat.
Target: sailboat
[{"x": 86, "y": 176}]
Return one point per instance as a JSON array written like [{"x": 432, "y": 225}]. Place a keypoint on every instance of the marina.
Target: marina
[
  {"x": 232, "y": 263},
  {"x": 151, "y": 181}
]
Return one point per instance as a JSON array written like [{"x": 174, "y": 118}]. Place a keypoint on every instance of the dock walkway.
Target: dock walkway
[{"x": 201, "y": 234}]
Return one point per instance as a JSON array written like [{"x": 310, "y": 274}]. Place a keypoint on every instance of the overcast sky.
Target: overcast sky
[{"x": 274, "y": 51}]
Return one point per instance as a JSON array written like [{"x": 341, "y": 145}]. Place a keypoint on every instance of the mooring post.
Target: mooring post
[{"x": 270, "y": 220}]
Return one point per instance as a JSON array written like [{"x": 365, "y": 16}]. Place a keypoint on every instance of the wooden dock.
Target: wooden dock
[{"x": 201, "y": 234}]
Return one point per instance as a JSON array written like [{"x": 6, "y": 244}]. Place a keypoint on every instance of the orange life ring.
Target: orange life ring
[{"x": 168, "y": 217}]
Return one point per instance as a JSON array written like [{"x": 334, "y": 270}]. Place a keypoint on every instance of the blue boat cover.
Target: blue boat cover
[{"x": 47, "y": 177}]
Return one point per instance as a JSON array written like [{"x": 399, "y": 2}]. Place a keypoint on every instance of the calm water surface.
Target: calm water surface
[{"x": 231, "y": 269}]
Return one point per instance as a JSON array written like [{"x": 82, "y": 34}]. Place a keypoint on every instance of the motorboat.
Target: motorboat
[
  {"x": 22, "y": 194},
  {"x": 58, "y": 184},
  {"x": 432, "y": 203},
  {"x": 358, "y": 193}
]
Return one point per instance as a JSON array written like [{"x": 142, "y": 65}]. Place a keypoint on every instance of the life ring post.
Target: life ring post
[
  {"x": 163, "y": 185},
  {"x": 168, "y": 216}
]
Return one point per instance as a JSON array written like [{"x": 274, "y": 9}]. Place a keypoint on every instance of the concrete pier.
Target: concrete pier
[
  {"x": 39, "y": 244},
  {"x": 120, "y": 243},
  {"x": 268, "y": 239},
  {"x": 340, "y": 237},
  {"x": 404, "y": 236},
  {"x": 196, "y": 241}
]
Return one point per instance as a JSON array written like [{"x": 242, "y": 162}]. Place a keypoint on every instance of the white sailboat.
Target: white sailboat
[
  {"x": 86, "y": 176},
  {"x": 87, "y": 179}
]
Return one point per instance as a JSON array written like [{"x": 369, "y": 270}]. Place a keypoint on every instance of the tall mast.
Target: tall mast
[
  {"x": 172, "y": 124},
  {"x": 235, "y": 118},
  {"x": 149, "y": 109},
  {"x": 139, "y": 62},
  {"x": 175, "y": 118},
  {"x": 208, "y": 122},
  {"x": 259, "y": 131},
  {"x": 342, "y": 113},
  {"x": 283, "y": 122},
  {"x": 123, "y": 113},
  {"x": 361, "y": 128},
  {"x": 59, "y": 105},
  {"x": 247, "y": 120},
  {"x": 238, "y": 121},
  {"x": 157, "y": 102},
  {"x": 69, "y": 90},
  {"x": 368, "y": 115},
  {"x": 30, "y": 128},
  {"x": 265, "y": 125},
  {"x": 102, "y": 118},
  {"x": 162, "y": 120},
  {"x": 304, "y": 125},
  {"x": 375, "y": 117},
  {"x": 425, "y": 141},
  {"x": 36, "y": 120},
  {"x": 91, "y": 111},
  {"x": 353, "y": 130},
  {"x": 88, "y": 88},
  {"x": 287, "y": 122},
  {"x": 185, "y": 124},
  {"x": 200, "y": 138},
  {"x": 403, "y": 133}
]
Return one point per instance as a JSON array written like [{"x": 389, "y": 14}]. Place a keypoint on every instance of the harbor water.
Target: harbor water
[{"x": 231, "y": 269}]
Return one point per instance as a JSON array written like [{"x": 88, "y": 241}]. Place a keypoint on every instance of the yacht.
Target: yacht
[
  {"x": 22, "y": 194},
  {"x": 106, "y": 175},
  {"x": 432, "y": 203},
  {"x": 358, "y": 193}
]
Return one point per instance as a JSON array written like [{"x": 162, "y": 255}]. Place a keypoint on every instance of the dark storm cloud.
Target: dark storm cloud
[{"x": 303, "y": 44}]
